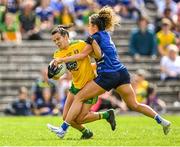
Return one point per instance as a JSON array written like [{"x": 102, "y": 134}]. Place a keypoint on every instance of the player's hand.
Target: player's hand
[
  {"x": 55, "y": 62},
  {"x": 52, "y": 68},
  {"x": 51, "y": 71}
]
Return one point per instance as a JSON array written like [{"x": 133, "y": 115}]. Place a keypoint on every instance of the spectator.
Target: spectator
[
  {"x": 93, "y": 7},
  {"x": 177, "y": 17},
  {"x": 40, "y": 84},
  {"x": 81, "y": 6},
  {"x": 22, "y": 105},
  {"x": 177, "y": 33},
  {"x": 131, "y": 9},
  {"x": 28, "y": 21},
  {"x": 140, "y": 85},
  {"x": 56, "y": 6},
  {"x": 158, "y": 20},
  {"x": 46, "y": 105},
  {"x": 10, "y": 29},
  {"x": 170, "y": 64},
  {"x": 70, "y": 4},
  {"x": 165, "y": 37},
  {"x": 3, "y": 11},
  {"x": 66, "y": 17},
  {"x": 136, "y": 8},
  {"x": 111, "y": 3},
  {"x": 142, "y": 41},
  {"x": 163, "y": 4},
  {"x": 13, "y": 5},
  {"x": 45, "y": 14},
  {"x": 153, "y": 101},
  {"x": 83, "y": 9},
  {"x": 124, "y": 12},
  {"x": 177, "y": 1}
]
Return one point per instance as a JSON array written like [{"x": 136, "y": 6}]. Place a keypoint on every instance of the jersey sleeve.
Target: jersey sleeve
[
  {"x": 96, "y": 37},
  {"x": 57, "y": 54},
  {"x": 54, "y": 55},
  {"x": 80, "y": 45}
]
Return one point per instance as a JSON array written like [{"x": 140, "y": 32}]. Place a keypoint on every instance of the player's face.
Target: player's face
[
  {"x": 92, "y": 28},
  {"x": 60, "y": 41}
]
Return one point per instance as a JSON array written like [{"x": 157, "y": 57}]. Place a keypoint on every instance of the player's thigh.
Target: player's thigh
[
  {"x": 91, "y": 89},
  {"x": 127, "y": 94},
  {"x": 68, "y": 103}
]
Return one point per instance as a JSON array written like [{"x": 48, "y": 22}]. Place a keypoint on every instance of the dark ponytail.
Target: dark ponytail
[
  {"x": 96, "y": 20},
  {"x": 62, "y": 30}
]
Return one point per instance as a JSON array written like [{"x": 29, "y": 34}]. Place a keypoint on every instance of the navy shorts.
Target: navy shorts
[{"x": 110, "y": 80}]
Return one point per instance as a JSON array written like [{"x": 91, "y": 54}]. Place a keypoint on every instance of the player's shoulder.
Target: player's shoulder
[
  {"x": 76, "y": 42},
  {"x": 58, "y": 53},
  {"x": 56, "y": 50}
]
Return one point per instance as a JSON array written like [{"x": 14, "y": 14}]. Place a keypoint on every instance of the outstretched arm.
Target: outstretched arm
[
  {"x": 91, "y": 47},
  {"x": 86, "y": 51}
]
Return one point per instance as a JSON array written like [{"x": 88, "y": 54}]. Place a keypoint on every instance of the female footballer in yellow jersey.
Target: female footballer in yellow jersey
[
  {"x": 82, "y": 72},
  {"x": 112, "y": 74}
]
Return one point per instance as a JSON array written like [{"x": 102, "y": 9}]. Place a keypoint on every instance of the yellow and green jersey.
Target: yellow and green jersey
[
  {"x": 81, "y": 70},
  {"x": 165, "y": 39}
]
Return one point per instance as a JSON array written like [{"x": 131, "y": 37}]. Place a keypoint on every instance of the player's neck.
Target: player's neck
[{"x": 65, "y": 47}]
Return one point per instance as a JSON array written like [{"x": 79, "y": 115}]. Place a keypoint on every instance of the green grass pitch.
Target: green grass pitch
[{"x": 130, "y": 131}]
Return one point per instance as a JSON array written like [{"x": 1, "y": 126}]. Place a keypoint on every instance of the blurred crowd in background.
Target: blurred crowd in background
[
  {"x": 158, "y": 38},
  {"x": 48, "y": 97},
  {"x": 26, "y": 19}
]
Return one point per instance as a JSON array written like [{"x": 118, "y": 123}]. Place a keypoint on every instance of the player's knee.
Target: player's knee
[
  {"x": 77, "y": 99},
  {"x": 133, "y": 106},
  {"x": 80, "y": 120}
]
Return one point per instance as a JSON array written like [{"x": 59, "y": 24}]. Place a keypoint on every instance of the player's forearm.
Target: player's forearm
[
  {"x": 74, "y": 57},
  {"x": 86, "y": 51},
  {"x": 97, "y": 50}
]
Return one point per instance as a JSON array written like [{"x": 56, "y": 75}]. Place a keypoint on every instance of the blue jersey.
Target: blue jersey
[{"x": 109, "y": 61}]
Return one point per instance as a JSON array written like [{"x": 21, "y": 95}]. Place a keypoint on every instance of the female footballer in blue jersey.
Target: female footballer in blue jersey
[{"x": 112, "y": 74}]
